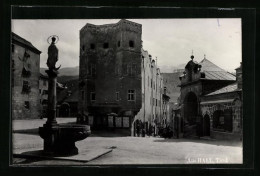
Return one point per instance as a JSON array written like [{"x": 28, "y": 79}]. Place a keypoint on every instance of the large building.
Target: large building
[
  {"x": 25, "y": 79},
  {"x": 151, "y": 115},
  {"x": 119, "y": 82},
  {"x": 210, "y": 101}
]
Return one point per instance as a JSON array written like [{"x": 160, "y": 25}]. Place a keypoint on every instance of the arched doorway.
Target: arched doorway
[
  {"x": 206, "y": 125},
  {"x": 190, "y": 108}
]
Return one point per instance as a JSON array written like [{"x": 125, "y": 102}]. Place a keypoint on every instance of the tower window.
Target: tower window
[
  {"x": 93, "y": 96},
  {"x": 92, "y": 46},
  {"x": 82, "y": 95},
  {"x": 105, "y": 45},
  {"x": 27, "y": 104},
  {"x": 93, "y": 69},
  {"x": 117, "y": 96},
  {"x": 118, "y": 44},
  {"x": 131, "y": 95},
  {"x": 131, "y": 43}
]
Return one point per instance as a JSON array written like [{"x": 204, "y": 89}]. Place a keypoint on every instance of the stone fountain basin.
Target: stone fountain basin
[
  {"x": 69, "y": 132},
  {"x": 60, "y": 139},
  {"x": 73, "y": 132}
]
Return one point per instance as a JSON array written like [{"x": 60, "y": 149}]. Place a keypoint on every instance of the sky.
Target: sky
[{"x": 170, "y": 40}]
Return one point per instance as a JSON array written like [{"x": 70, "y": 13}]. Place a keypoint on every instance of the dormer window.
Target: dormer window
[
  {"x": 131, "y": 43},
  {"x": 105, "y": 45}
]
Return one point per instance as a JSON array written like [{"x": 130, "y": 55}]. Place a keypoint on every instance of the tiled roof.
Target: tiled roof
[
  {"x": 226, "y": 89},
  {"x": 213, "y": 72},
  {"x": 22, "y": 41}
]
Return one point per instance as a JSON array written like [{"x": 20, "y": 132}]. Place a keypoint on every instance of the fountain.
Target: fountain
[{"x": 59, "y": 139}]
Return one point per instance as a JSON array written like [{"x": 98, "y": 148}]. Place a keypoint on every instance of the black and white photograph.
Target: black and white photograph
[{"x": 126, "y": 91}]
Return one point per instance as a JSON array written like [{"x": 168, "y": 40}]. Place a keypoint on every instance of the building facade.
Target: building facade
[
  {"x": 120, "y": 86},
  {"x": 210, "y": 101},
  {"x": 25, "y": 79},
  {"x": 110, "y": 74},
  {"x": 150, "y": 117}
]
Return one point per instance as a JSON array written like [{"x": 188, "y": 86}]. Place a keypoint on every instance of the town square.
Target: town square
[{"x": 127, "y": 91}]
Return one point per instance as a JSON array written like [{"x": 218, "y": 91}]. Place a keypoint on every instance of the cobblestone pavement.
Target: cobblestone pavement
[{"x": 139, "y": 150}]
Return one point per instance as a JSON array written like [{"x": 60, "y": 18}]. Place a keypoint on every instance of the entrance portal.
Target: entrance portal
[{"x": 190, "y": 108}]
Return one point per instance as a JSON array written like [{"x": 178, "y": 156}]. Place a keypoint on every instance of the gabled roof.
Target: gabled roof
[
  {"x": 206, "y": 65},
  {"x": 213, "y": 72},
  {"x": 25, "y": 43},
  {"x": 226, "y": 89},
  {"x": 218, "y": 75}
]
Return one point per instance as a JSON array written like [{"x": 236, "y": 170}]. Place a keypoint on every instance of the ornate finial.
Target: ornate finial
[{"x": 192, "y": 57}]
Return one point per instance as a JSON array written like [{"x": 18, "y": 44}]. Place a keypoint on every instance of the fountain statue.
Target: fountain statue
[{"x": 59, "y": 139}]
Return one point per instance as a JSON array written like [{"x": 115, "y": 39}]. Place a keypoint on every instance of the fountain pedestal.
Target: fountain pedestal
[{"x": 59, "y": 140}]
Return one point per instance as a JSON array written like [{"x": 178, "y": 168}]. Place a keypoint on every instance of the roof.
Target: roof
[
  {"x": 25, "y": 43},
  {"x": 206, "y": 65},
  {"x": 42, "y": 76},
  {"x": 217, "y": 101},
  {"x": 73, "y": 97},
  {"x": 213, "y": 72},
  {"x": 219, "y": 75},
  {"x": 70, "y": 94},
  {"x": 226, "y": 89}
]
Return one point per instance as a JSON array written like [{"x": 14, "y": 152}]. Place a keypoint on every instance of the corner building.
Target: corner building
[
  {"x": 25, "y": 79},
  {"x": 210, "y": 102},
  {"x": 110, "y": 90},
  {"x": 151, "y": 115}
]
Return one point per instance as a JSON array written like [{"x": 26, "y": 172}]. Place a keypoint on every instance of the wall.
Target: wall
[
  {"x": 152, "y": 87},
  {"x": 19, "y": 98}
]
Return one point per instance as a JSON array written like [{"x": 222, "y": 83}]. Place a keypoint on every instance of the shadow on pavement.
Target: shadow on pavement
[
  {"x": 107, "y": 133},
  {"x": 203, "y": 141}
]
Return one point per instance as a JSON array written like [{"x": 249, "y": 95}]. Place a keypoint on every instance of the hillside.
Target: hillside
[
  {"x": 66, "y": 71},
  {"x": 171, "y": 81}
]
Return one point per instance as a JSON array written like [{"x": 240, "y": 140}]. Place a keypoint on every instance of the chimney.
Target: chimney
[{"x": 239, "y": 76}]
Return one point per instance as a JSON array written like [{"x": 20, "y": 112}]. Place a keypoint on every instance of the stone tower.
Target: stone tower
[{"x": 110, "y": 71}]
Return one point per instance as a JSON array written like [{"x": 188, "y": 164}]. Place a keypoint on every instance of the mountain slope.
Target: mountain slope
[
  {"x": 171, "y": 81},
  {"x": 66, "y": 71}
]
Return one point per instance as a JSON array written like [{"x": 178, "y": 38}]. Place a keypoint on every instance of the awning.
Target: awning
[{"x": 217, "y": 101}]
